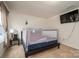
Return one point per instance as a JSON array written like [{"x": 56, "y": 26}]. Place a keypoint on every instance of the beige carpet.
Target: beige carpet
[{"x": 63, "y": 52}]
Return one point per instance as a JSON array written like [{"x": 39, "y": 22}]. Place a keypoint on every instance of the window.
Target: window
[{"x": 0, "y": 18}]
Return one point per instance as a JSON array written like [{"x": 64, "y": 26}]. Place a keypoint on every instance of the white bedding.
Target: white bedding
[{"x": 44, "y": 39}]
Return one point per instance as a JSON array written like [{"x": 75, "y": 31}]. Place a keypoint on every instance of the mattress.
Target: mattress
[{"x": 41, "y": 40}]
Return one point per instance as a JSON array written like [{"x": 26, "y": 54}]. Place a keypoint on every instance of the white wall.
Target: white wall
[
  {"x": 65, "y": 31},
  {"x": 17, "y": 21}
]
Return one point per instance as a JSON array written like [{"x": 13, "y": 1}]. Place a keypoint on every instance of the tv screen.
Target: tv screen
[{"x": 69, "y": 17}]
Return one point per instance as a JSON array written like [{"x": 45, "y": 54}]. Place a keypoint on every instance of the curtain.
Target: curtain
[
  {"x": 4, "y": 15},
  {"x": 1, "y": 29}
]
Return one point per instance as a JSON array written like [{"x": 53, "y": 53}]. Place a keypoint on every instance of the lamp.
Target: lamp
[
  {"x": 26, "y": 23},
  {"x": 11, "y": 30}
]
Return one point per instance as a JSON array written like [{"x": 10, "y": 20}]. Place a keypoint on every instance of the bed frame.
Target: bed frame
[{"x": 35, "y": 48}]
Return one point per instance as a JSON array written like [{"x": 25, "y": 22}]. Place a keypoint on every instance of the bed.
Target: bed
[{"x": 36, "y": 40}]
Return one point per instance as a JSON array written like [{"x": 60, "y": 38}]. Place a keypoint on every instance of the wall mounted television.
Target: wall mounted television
[{"x": 70, "y": 17}]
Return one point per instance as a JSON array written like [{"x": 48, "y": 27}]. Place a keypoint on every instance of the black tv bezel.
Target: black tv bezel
[{"x": 69, "y": 13}]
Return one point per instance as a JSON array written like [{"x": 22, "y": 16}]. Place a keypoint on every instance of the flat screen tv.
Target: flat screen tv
[{"x": 69, "y": 17}]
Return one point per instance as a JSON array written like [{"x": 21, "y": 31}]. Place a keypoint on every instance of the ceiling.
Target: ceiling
[{"x": 44, "y": 9}]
